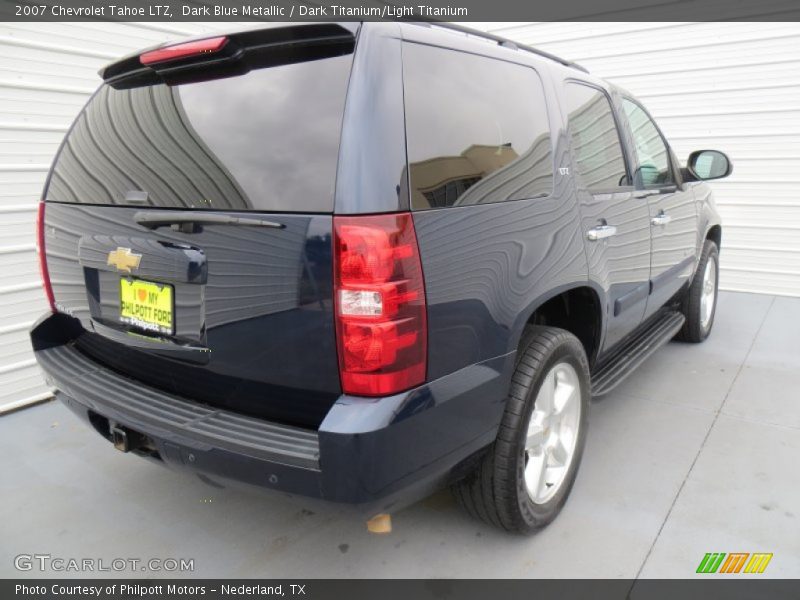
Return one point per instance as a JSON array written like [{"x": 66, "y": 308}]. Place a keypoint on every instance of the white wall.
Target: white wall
[
  {"x": 728, "y": 86},
  {"x": 732, "y": 86}
]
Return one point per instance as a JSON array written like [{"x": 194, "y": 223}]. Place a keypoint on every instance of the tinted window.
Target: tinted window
[
  {"x": 595, "y": 139},
  {"x": 477, "y": 129},
  {"x": 652, "y": 155},
  {"x": 266, "y": 140}
]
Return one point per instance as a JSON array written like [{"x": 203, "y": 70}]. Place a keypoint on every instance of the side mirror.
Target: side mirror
[{"x": 708, "y": 164}]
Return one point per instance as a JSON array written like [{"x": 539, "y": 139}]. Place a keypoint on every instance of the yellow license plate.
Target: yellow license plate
[{"x": 146, "y": 305}]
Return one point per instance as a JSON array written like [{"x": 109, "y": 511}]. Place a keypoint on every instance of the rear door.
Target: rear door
[
  {"x": 615, "y": 223},
  {"x": 188, "y": 223},
  {"x": 673, "y": 213}
]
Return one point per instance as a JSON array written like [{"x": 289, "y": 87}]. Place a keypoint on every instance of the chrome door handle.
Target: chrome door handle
[
  {"x": 661, "y": 219},
  {"x": 600, "y": 232}
]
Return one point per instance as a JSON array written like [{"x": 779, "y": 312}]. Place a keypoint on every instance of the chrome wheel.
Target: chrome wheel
[
  {"x": 552, "y": 432},
  {"x": 708, "y": 295}
]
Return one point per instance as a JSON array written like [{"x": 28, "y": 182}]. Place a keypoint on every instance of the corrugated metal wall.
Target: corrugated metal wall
[
  {"x": 731, "y": 86},
  {"x": 47, "y": 72}
]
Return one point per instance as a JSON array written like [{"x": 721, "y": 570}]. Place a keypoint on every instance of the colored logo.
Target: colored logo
[
  {"x": 124, "y": 259},
  {"x": 735, "y": 562}
]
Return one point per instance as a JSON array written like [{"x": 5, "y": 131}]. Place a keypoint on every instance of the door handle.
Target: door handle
[
  {"x": 600, "y": 232},
  {"x": 661, "y": 219}
]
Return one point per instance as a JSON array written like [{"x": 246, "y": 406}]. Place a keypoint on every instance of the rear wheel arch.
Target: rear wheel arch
[{"x": 577, "y": 309}]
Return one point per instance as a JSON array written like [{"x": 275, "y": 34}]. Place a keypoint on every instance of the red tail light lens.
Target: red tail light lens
[
  {"x": 40, "y": 251},
  {"x": 184, "y": 50},
  {"x": 381, "y": 326}
]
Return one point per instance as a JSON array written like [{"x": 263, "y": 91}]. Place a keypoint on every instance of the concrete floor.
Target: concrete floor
[{"x": 697, "y": 452}]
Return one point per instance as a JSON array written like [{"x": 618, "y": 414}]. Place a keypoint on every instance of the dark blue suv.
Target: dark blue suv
[{"x": 362, "y": 261}]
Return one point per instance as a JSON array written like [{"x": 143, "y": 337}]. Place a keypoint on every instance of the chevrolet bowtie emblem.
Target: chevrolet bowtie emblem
[{"x": 124, "y": 259}]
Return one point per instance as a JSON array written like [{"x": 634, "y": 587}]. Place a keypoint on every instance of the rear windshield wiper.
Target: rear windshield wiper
[{"x": 186, "y": 222}]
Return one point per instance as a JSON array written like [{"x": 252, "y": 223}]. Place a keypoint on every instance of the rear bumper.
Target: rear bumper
[{"x": 376, "y": 454}]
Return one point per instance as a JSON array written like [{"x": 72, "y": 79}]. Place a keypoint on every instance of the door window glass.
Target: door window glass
[
  {"x": 595, "y": 138},
  {"x": 652, "y": 154}
]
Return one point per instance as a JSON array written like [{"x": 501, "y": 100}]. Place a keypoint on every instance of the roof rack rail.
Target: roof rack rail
[{"x": 501, "y": 41}]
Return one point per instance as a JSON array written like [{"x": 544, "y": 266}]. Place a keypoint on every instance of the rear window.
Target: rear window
[
  {"x": 477, "y": 127},
  {"x": 267, "y": 140}
]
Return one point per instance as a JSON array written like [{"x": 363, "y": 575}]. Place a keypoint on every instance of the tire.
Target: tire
[
  {"x": 496, "y": 490},
  {"x": 694, "y": 306}
]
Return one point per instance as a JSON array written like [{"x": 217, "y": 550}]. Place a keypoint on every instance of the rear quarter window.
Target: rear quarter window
[{"x": 477, "y": 129}]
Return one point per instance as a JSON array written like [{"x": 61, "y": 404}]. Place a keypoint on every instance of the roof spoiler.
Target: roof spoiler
[{"x": 208, "y": 57}]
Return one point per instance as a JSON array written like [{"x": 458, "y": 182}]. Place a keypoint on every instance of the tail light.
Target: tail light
[
  {"x": 40, "y": 251},
  {"x": 184, "y": 50},
  {"x": 381, "y": 326}
]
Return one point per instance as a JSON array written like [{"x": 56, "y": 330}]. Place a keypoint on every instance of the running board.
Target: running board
[{"x": 635, "y": 352}]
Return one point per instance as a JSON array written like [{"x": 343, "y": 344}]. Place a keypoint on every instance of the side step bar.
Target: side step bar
[{"x": 635, "y": 352}]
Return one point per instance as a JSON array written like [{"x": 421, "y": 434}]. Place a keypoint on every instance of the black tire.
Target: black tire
[
  {"x": 495, "y": 490},
  {"x": 693, "y": 330}
]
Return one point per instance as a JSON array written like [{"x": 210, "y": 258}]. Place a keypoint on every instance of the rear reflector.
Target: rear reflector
[
  {"x": 40, "y": 251},
  {"x": 381, "y": 327},
  {"x": 184, "y": 50}
]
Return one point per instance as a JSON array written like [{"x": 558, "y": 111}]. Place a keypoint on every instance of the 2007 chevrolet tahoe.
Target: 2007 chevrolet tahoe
[{"x": 362, "y": 261}]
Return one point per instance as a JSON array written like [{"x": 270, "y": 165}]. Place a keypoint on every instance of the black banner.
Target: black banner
[
  {"x": 374, "y": 10},
  {"x": 712, "y": 588}
]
